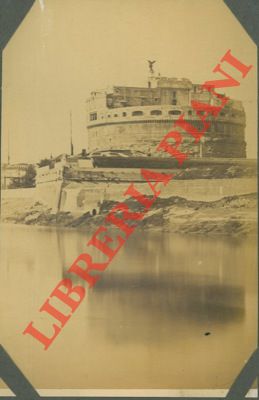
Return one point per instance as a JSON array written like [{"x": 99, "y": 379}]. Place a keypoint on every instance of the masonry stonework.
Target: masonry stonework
[{"x": 136, "y": 118}]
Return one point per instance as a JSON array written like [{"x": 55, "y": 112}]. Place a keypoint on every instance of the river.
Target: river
[{"x": 170, "y": 311}]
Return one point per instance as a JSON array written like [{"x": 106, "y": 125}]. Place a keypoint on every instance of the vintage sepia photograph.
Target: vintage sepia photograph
[{"x": 128, "y": 234}]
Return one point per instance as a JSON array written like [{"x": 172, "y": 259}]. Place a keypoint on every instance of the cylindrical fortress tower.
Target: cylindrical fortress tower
[{"x": 137, "y": 118}]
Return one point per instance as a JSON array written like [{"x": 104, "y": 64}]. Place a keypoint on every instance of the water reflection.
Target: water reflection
[{"x": 144, "y": 323}]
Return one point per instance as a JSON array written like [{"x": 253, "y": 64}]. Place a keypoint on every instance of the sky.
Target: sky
[{"x": 64, "y": 49}]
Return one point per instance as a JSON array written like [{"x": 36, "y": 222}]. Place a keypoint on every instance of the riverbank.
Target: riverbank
[{"x": 231, "y": 215}]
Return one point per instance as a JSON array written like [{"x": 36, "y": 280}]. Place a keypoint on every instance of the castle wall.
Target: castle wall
[
  {"x": 137, "y": 136},
  {"x": 49, "y": 193},
  {"x": 81, "y": 197},
  {"x": 222, "y": 139},
  {"x": 85, "y": 196},
  {"x": 26, "y": 193}
]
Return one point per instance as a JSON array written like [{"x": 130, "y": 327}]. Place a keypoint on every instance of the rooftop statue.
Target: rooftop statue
[{"x": 150, "y": 64}]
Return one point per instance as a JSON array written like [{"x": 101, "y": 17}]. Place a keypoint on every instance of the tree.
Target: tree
[
  {"x": 44, "y": 162},
  {"x": 29, "y": 178},
  {"x": 26, "y": 181}
]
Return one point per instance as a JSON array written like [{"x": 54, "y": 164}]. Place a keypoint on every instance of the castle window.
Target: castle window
[
  {"x": 108, "y": 115},
  {"x": 93, "y": 116},
  {"x": 137, "y": 113},
  {"x": 115, "y": 115},
  {"x": 155, "y": 112},
  {"x": 124, "y": 114},
  {"x": 174, "y": 94},
  {"x": 174, "y": 112},
  {"x": 174, "y": 102}
]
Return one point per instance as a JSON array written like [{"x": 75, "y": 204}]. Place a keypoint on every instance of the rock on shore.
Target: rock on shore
[{"x": 233, "y": 215}]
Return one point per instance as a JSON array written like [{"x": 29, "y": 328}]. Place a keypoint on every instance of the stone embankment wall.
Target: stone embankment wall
[
  {"x": 49, "y": 193},
  {"x": 77, "y": 194},
  {"x": 82, "y": 197},
  {"x": 25, "y": 193}
]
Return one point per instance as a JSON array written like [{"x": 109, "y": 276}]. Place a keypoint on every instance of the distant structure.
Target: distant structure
[
  {"x": 137, "y": 118},
  {"x": 12, "y": 175}
]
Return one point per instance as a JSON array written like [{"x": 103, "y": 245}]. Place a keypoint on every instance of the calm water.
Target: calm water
[{"x": 144, "y": 324}]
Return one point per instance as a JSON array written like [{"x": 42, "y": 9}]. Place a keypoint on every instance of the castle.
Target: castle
[{"x": 135, "y": 119}]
